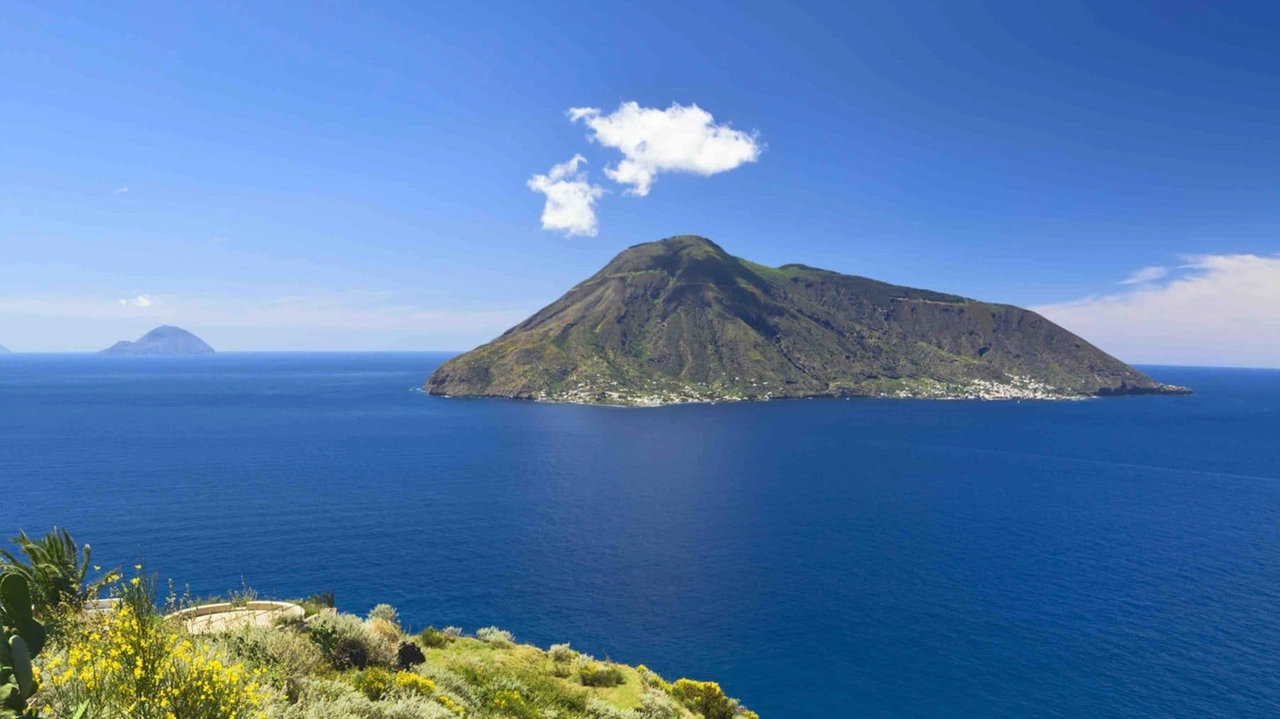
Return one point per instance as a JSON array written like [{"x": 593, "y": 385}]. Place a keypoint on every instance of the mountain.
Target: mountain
[
  {"x": 163, "y": 340},
  {"x": 682, "y": 320},
  {"x": 4, "y": 350}
]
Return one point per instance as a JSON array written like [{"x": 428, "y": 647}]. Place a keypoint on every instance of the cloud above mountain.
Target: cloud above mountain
[
  {"x": 1213, "y": 307},
  {"x": 677, "y": 139},
  {"x": 652, "y": 142},
  {"x": 571, "y": 199}
]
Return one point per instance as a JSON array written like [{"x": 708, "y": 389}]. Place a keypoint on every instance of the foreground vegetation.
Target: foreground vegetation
[{"x": 130, "y": 661}]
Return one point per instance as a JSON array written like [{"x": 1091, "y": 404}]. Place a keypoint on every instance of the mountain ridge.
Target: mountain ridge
[{"x": 683, "y": 320}]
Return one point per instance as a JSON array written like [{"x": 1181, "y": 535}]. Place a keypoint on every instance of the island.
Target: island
[
  {"x": 163, "y": 340},
  {"x": 4, "y": 350},
  {"x": 681, "y": 320}
]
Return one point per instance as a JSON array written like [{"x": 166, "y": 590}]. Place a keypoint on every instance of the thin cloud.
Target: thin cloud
[
  {"x": 120, "y": 191},
  {"x": 139, "y": 301},
  {"x": 571, "y": 199},
  {"x": 1145, "y": 275},
  {"x": 1224, "y": 310},
  {"x": 677, "y": 139},
  {"x": 350, "y": 320}
]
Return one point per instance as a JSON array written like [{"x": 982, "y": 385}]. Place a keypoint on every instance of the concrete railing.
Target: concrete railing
[{"x": 205, "y": 618}]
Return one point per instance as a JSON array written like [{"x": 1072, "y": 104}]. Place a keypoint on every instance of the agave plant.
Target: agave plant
[{"x": 55, "y": 568}]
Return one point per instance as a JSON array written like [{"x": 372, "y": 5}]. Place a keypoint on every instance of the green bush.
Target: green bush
[
  {"x": 348, "y": 642},
  {"x": 385, "y": 612},
  {"x": 430, "y": 638},
  {"x": 496, "y": 637},
  {"x": 561, "y": 653},
  {"x": 592, "y": 674},
  {"x": 283, "y": 653}
]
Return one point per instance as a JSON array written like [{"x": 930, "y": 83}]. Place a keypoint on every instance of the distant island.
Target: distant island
[
  {"x": 4, "y": 350},
  {"x": 163, "y": 340},
  {"x": 681, "y": 320}
]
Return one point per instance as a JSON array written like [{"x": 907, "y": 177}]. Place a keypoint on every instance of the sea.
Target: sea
[{"x": 818, "y": 558}]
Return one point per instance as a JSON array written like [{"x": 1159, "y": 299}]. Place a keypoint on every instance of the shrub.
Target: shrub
[
  {"x": 600, "y": 675},
  {"x": 518, "y": 686},
  {"x": 410, "y": 683},
  {"x": 705, "y": 698},
  {"x": 126, "y": 664},
  {"x": 512, "y": 703},
  {"x": 409, "y": 655},
  {"x": 374, "y": 683},
  {"x": 496, "y": 637},
  {"x": 650, "y": 678},
  {"x": 323, "y": 699},
  {"x": 385, "y": 611},
  {"x": 657, "y": 704},
  {"x": 452, "y": 632},
  {"x": 451, "y": 682},
  {"x": 430, "y": 638},
  {"x": 348, "y": 642},
  {"x": 448, "y": 703},
  {"x": 561, "y": 653},
  {"x": 598, "y": 708},
  {"x": 282, "y": 653},
  {"x": 389, "y": 631}
]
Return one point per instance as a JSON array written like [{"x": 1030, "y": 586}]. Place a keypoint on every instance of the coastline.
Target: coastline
[{"x": 977, "y": 390}]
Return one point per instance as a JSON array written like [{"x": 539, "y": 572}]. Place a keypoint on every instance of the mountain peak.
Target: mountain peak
[
  {"x": 163, "y": 340},
  {"x": 667, "y": 255}
]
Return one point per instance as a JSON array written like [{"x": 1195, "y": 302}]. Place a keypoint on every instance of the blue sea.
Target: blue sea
[{"x": 826, "y": 558}]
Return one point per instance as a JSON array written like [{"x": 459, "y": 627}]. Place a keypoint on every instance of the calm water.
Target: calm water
[{"x": 1108, "y": 558}]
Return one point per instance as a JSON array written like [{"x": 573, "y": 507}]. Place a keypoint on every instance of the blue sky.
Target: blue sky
[{"x": 355, "y": 176}]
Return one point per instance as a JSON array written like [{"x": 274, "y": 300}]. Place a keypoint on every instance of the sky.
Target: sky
[{"x": 422, "y": 176}]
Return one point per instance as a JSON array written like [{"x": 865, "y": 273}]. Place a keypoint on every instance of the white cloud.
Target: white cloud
[
  {"x": 571, "y": 199},
  {"x": 1145, "y": 275},
  {"x": 1223, "y": 310},
  {"x": 677, "y": 139},
  {"x": 139, "y": 301},
  {"x": 120, "y": 191}
]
